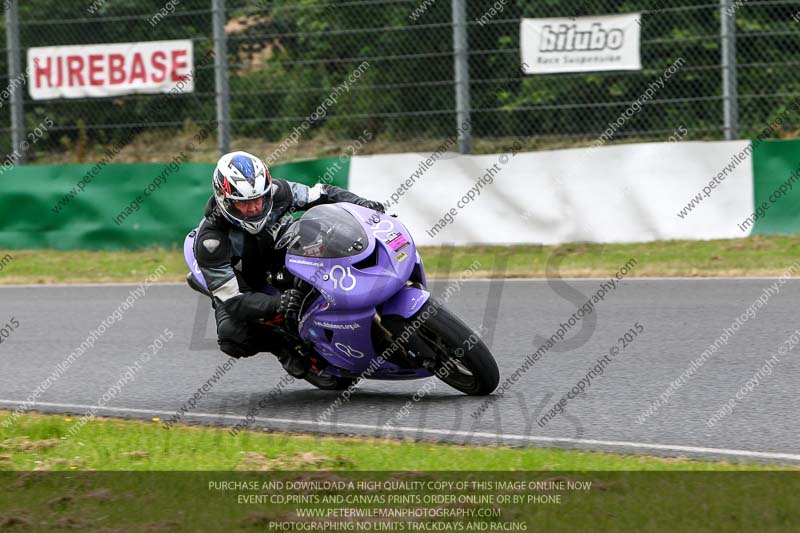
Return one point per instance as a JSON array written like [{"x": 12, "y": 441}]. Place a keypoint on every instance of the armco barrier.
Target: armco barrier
[
  {"x": 29, "y": 193},
  {"x": 625, "y": 193},
  {"x": 621, "y": 193}
]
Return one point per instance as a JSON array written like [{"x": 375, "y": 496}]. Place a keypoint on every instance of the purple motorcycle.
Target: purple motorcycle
[{"x": 367, "y": 313}]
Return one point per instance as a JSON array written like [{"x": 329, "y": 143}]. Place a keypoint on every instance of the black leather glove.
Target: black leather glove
[
  {"x": 290, "y": 303},
  {"x": 377, "y": 206}
]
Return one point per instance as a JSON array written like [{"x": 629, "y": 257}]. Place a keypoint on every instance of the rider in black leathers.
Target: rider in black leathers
[{"x": 235, "y": 251}]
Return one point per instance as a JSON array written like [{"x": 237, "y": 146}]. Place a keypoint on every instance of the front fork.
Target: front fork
[{"x": 401, "y": 331}]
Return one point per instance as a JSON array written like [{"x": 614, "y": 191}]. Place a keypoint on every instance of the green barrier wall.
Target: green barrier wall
[
  {"x": 29, "y": 197},
  {"x": 776, "y": 163}
]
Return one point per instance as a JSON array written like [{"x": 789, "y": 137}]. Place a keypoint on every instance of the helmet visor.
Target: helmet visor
[{"x": 252, "y": 210}]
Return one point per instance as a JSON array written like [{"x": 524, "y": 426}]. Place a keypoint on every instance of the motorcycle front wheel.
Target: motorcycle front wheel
[{"x": 462, "y": 359}]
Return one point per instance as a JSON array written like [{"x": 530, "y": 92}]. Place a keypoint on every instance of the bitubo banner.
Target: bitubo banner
[
  {"x": 102, "y": 70},
  {"x": 581, "y": 44}
]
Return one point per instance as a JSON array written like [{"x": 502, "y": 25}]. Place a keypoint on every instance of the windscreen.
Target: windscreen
[{"x": 325, "y": 231}]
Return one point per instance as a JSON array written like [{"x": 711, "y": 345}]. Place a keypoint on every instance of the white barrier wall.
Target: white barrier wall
[{"x": 628, "y": 193}]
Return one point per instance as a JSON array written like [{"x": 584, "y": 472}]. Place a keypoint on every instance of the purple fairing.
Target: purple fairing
[
  {"x": 375, "y": 257},
  {"x": 358, "y": 259}
]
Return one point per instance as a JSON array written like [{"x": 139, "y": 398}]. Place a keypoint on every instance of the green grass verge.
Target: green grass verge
[
  {"x": 44, "y": 442},
  {"x": 136, "y": 492},
  {"x": 754, "y": 256}
]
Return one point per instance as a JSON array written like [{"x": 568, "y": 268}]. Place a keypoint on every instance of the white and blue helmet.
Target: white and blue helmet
[{"x": 240, "y": 179}]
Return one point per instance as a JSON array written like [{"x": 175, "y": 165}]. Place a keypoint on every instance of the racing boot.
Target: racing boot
[{"x": 294, "y": 361}]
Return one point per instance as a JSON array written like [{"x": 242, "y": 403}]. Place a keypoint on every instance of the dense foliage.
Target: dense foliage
[{"x": 286, "y": 57}]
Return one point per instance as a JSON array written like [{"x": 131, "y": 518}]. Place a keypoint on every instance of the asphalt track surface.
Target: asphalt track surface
[{"x": 681, "y": 318}]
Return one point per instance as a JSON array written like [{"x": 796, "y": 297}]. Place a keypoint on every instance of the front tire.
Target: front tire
[{"x": 462, "y": 359}]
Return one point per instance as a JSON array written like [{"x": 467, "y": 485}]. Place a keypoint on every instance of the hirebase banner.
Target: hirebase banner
[
  {"x": 103, "y": 70},
  {"x": 581, "y": 44}
]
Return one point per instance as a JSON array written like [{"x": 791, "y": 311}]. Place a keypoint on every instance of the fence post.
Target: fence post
[
  {"x": 223, "y": 95},
  {"x": 461, "y": 60},
  {"x": 14, "y": 71},
  {"x": 730, "y": 93}
]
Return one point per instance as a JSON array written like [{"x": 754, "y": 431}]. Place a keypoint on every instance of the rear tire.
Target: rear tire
[{"x": 465, "y": 365}]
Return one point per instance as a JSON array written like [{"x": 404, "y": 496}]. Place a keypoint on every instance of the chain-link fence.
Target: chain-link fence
[
  {"x": 148, "y": 126},
  {"x": 307, "y": 77}
]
